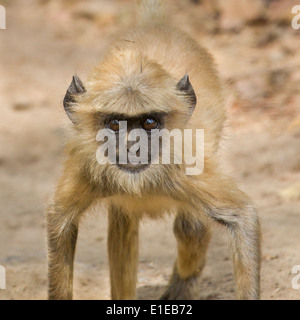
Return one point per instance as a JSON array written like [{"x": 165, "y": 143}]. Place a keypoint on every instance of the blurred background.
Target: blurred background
[{"x": 258, "y": 55}]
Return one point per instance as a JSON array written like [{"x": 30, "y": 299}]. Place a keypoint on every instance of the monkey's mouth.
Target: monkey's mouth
[{"x": 133, "y": 168}]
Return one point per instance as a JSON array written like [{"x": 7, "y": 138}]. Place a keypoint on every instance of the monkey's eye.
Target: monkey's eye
[
  {"x": 149, "y": 124},
  {"x": 114, "y": 125}
]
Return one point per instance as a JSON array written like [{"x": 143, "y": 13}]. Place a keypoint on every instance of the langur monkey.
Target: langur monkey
[{"x": 153, "y": 77}]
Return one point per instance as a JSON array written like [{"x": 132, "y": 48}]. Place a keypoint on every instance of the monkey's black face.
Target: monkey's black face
[
  {"x": 132, "y": 143},
  {"x": 134, "y": 149}
]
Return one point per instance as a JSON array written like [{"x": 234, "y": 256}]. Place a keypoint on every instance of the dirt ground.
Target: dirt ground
[{"x": 258, "y": 55}]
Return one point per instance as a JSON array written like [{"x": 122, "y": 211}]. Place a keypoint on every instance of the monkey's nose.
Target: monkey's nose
[
  {"x": 137, "y": 153},
  {"x": 130, "y": 144}
]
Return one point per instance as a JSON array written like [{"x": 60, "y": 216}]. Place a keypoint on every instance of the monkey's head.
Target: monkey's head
[{"x": 124, "y": 106}]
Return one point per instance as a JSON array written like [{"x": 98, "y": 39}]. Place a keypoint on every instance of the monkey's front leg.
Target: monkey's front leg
[
  {"x": 232, "y": 208},
  {"x": 72, "y": 198},
  {"x": 62, "y": 238},
  {"x": 244, "y": 229},
  {"x": 123, "y": 253},
  {"x": 224, "y": 203}
]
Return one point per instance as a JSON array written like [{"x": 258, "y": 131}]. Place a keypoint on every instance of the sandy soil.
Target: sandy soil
[{"x": 46, "y": 42}]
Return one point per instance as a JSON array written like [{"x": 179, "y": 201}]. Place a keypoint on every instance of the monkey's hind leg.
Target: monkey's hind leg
[
  {"x": 193, "y": 237},
  {"x": 123, "y": 253}
]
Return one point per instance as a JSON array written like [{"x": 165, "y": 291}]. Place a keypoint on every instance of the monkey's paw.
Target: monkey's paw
[{"x": 182, "y": 289}]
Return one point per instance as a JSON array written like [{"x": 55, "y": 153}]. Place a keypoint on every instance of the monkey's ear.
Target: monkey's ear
[
  {"x": 76, "y": 87},
  {"x": 185, "y": 87}
]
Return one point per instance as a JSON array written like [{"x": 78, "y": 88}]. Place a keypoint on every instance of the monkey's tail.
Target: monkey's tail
[{"x": 150, "y": 12}]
